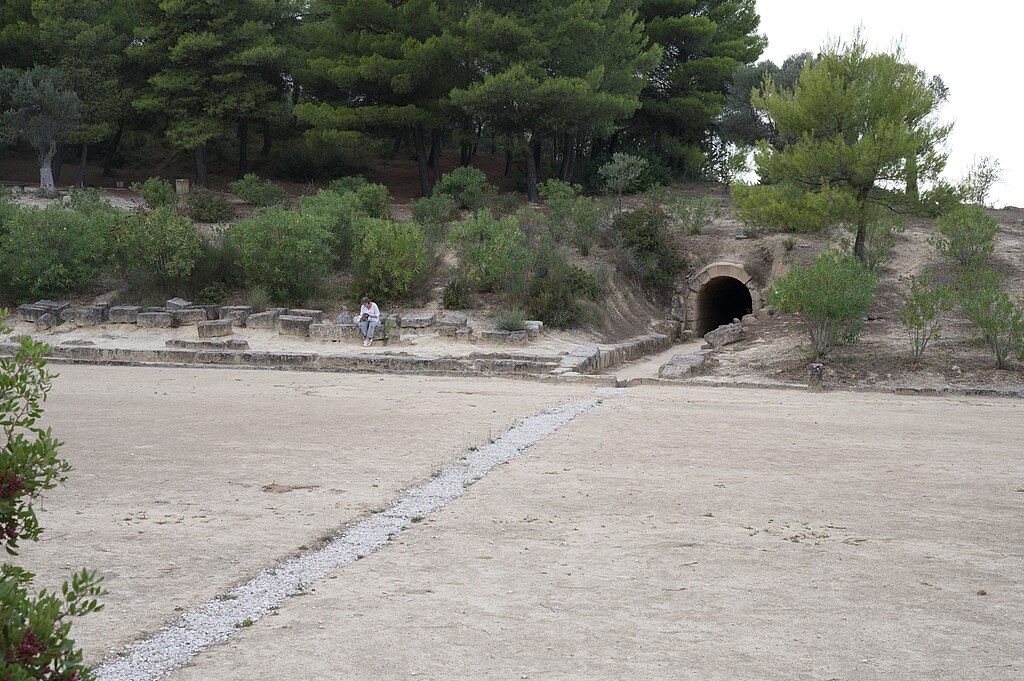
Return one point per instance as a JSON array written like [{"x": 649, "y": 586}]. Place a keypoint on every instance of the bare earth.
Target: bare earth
[{"x": 672, "y": 532}]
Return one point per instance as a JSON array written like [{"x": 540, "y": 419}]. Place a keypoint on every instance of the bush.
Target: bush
[
  {"x": 375, "y": 201},
  {"x": 789, "y": 209},
  {"x": 492, "y": 253},
  {"x": 156, "y": 192},
  {"x": 157, "y": 250},
  {"x": 347, "y": 184},
  {"x": 257, "y": 192},
  {"x": 50, "y": 252},
  {"x": 465, "y": 185},
  {"x": 622, "y": 174},
  {"x": 300, "y": 161},
  {"x": 998, "y": 319},
  {"x": 880, "y": 240},
  {"x": 512, "y": 319},
  {"x": 922, "y": 312},
  {"x": 645, "y": 253},
  {"x": 217, "y": 265},
  {"x": 561, "y": 295},
  {"x": 434, "y": 214},
  {"x": 336, "y": 213},
  {"x": 560, "y": 199},
  {"x": 35, "y": 631},
  {"x": 259, "y": 298},
  {"x": 966, "y": 236},
  {"x": 831, "y": 296},
  {"x": 213, "y": 294},
  {"x": 389, "y": 259},
  {"x": 204, "y": 205},
  {"x": 695, "y": 214},
  {"x": 456, "y": 295},
  {"x": 283, "y": 251}
]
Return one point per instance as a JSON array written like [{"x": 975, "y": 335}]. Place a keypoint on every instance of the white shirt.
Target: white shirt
[{"x": 371, "y": 311}]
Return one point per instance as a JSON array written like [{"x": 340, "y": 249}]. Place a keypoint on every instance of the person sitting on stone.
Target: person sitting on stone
[{"x": 368, "y": 320}]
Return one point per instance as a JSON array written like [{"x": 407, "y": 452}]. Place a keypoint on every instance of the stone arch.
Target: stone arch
[{"x": 717, "y": 294}]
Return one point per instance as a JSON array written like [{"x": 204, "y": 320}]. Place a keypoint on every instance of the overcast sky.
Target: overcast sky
[{"x": 974, "y": 46}]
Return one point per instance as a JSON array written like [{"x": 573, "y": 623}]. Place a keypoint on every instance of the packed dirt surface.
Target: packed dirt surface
[{"x": 671, "y": 532}]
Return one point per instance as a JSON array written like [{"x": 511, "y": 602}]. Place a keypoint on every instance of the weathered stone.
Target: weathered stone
[
  {"x": 342, "y": 332},
  {"x": 238, "y": 314},
  {"x": 316, "y": 315},
  {"x": 213, "y": 328},
  {"x": 417, "y": 321},
  {"x": 293, "y": 325},
  {"x": 749, "y": 319},
  {"x": 453, "y": 321},
  {"x": 104, "y": 309},
  {"x": 263, "y": 320},
  {"x": 29, "y": 313},
  {"x": 178, "y": 304},
  {"x": 682, "y": 366},
  {"x": 230, "y": 344},
  {"x": 504, "y": 337},
  {"x": 534, "y": 328},
  {"x": 667, "y": 327},
  {"x": 124, "y": 314},
  {"x": 463, "y": 334},
  {"x": 45, "y": 322},
  {"x": 155, "y": 320},
  {"x": 815, "y": 378},
  {"x": 85, "y": 316},
  {"x": 724, "y": 335},
  {"x": 53, "y": 306},
  {"x": 159, "y": 309},
  {"x": 190, "y": 315},
  {"x": 212, "y": 311}
]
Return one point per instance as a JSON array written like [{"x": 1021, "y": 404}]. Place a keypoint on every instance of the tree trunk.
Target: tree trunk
[
  {"x": 398, "y": 143},
  {"x": 862, "y": 232},
  {"x": 243, "y": 148},
  {"x": 573, "y": 154},
  {"x": 531, "y": 175},
  {"x": 200, "y": 155},
  {"x": 912, "y": 190},
  {"x": 80, "y": 180},
  {"x": 421, "y": 160},
  {"x": 267, "y": 140},
  {"x": 538, "y": 154},
  {"x": 46, "y": 184},
  {"x": 108, "y": 162},
  {"x": 508, "y": 163},
  {"x": 435, "y": 154},
  {"x": 464, "y": 152},
  {"x": 57, "y": 162}
]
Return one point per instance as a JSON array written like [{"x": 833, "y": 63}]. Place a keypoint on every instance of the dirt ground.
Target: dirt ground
[{"x": 672, "y": 532}]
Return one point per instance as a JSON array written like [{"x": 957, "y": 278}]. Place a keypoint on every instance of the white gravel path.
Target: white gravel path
[{"x": 215, "y": 621}]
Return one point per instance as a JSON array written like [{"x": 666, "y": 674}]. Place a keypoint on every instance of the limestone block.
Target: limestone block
[
  {"x": 190, "y": 315},
  {"x": 316, "y": 315},
  {"x": 214, "y": 328},
  {"x": 104, "y": 309},
  {"x": 53, "y": 306},
  {"x": 178, "y": 304},
  {"x": 29, "y": 313},
  {"x": 417, "y": 321},
  {"x": 667, "y": 327},
  {"x": 84, "y": 316},
  {"x": 263, "y": 320},
  {"x": 463, "y": 334},
  {"x": 749, "y": 319},
  {"x": 504, "y": 337},
  {"x": 238, "y": 314},
  {"x": 212, "y": 311},
  {"x": 215, "y": 344},
  {"x": 293, "y": 325},
  {"x": 342, "y": 332},
  {"x": 682, "y": 366},
  {"x": 453, "y": 321},
  {"x": 534, "y": 328},
  {"x": 124, "y": 314},
  {"x": 45, "y": 322},
  {"x": 724, "y": 335},
  {"x": 158, "y": 309},
  {"x": 155, "y": 320}
]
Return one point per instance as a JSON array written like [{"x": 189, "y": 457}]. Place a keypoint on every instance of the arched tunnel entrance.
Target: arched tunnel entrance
[{"x": 721, "y": 300}]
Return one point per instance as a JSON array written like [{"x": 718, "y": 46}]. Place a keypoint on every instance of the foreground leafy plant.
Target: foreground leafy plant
[
  {"x": 922, "y": 312},
  {"x": 998, "y": 319}
]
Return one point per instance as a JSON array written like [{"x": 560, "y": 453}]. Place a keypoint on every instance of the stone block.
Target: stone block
[
  {"x": 53, "y": 306},
  {"x": 417, "y": 321},
  {"x": 230, "y": 344},
  {"x": 724, "y": 335},
  {"x": 263, "y": 320},
  {"x": 503, "y": 337},
  {"x": 453, "y": 321},
  {"x": 30, "y": 313},
  {"x": 158, "y": 309},
  {"x": 84, "y": 316},
  {"x": 534, "y": 328},
  {"x": 293, "y": 325},
  {"x": 104, "y": 309},
  {"x": 666, "y": 327},
  {"x": 178, "y": 304},
  {"x": 214, "y": 328},
  {"x": 124, "y": 314},
  {"x": 212, "y": 311},
  {"x": 189, "y": 315},
  {"x": 238, "y": 314},
  {"x": 815, "y": 378},
  {"x": 45, "y": 322},
  {"x": 155, "y": 320},
  {"x": 316, "y": 315},
  {"x": 682, "y": 366}
]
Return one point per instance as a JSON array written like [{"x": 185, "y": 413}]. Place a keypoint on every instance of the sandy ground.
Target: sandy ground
[
  {"x": 673, "y": 532},
  {"x": 187, "y": 482}
]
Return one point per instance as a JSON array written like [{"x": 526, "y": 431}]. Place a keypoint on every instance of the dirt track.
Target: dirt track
[{"x": 673, "y": 532}]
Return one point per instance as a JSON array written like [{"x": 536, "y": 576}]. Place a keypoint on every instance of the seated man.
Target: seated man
[{"x": 368, "y": 320}]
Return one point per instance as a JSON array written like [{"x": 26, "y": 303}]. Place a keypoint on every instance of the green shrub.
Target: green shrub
[
  {"x": 156, "y": 192},
  {"x": 217, "y": 264},
  {"x": 258, "y": 192},
  {"x": 456, "y": 295},
  {"x": 157, "y": 250},
  {"x": 35, "y": 630},
  {"x": 966, "y": 236},
  {"x": 500, "y": 203},
  {"x": 375, "y": 201},
  {"x": 787, "y": 208},
  {"x": 645, "y": 253},
  {"x": 560, "y": 199},
  {"x": 880, "y": 240},
  {"x": 921, "y": 313},
  {"x": 466, "y": 185},
  {"x": 588, "y": 218},
  {"x": 561, "y": 295},
  {"x": 998, "y": 319},
  {"x": 336, "y": 213},
  {"x": 434, "y": 214},
  {"x": 831, "y": 297},
  {"x": 695, "y": 214},
  {"x": 622, "y": 174},
  {"x": 789, "y": 243},
  {"x": 389, "y": 259},
  {"x": 204, "y": 205},
  {"x": 492, "y": 253},
  {"x": 300, "y": 161},
  {"x": 512, "y": 319},
  {"x": 259, "y": 298},
  {"x": 283, "y": 251},
  {"x": 347, "y": 184},
  {"x": 213, "y": 294},
  {"x": 50, "y": 252}
]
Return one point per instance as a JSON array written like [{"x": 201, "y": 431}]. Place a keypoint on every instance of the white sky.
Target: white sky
[{"x": 974, "y": 47}]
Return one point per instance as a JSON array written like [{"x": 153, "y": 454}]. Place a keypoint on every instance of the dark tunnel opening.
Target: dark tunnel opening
[{"x": 720, "y": 301}]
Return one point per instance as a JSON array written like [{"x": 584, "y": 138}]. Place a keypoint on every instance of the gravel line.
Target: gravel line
[{"x": 215, "y": 621}]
